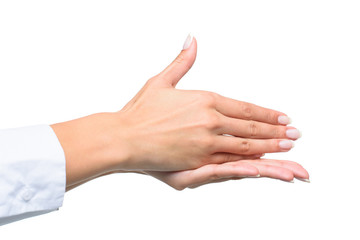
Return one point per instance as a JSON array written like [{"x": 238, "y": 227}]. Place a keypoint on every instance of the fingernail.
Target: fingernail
[
  {"x": 256, "y": 176},
  {"x": 288, "y": 181},
  {"x": 304, "y": 180},
  {"x": 188, "y": 41},
  {"x": 284, "y": 120},
  {"x": 293, "y": 133},
  {"x": 286, "y": 144}
]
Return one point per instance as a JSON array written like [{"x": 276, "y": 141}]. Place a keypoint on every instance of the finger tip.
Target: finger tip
[
  {"x": 284, "y": 120},
  {"x": 254, "y": 171},
  {"x": 304, "y": 174},
  {"x": 288, "y": 176}
]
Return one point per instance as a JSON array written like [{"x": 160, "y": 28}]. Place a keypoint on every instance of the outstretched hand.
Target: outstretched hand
[
  {"x": 245, "y": 167},
  {"x": 250, "y": 168},
  {"x": 166, "y": 129},
  {"x": 184, "y": 138}
]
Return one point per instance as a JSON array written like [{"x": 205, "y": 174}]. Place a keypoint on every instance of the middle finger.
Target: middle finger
[
  {"x": 254, "y": 129},
  {"x": 245, "y": 146}
]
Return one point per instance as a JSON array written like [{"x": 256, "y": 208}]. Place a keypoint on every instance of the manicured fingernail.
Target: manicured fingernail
[
  {"x": 256, "y": 176},
  {"x": 288, "y": 181},
  {"x": 284, "y": 120},
  {"x": 188, "y": 41},
  {"x": 293, "y": 133},
  {"x": 304, "y": 180},
  {"x": 286, "y": 144}
]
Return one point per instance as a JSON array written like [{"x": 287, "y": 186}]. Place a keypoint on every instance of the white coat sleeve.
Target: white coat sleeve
[{"x": 32, "y": 172}]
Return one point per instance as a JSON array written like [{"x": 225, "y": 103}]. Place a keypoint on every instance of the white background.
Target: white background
[{"x": 61, "y": 60}]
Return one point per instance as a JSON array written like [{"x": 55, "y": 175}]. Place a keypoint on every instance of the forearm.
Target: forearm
[
  {"x": 86, "y": 142},
  {"x": 69, "y": 187}
]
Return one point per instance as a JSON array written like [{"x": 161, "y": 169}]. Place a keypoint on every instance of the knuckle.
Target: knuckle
[
  {"x": 208, "y": 98},
  {"x": 270, "y": 116},
  {"x": 253, "y": 129},
  {"x": 212, "y": 121},
  {"x": 277, "y": 133},
  {"x": 180, "y": 58},
  {"x": 244, "y": 146},
  {"x": 213, "y": 175},
  {"x": 247, "y": 110},
  {"x": 208, "y": 142},
  {"x": 154, "y": 78}
]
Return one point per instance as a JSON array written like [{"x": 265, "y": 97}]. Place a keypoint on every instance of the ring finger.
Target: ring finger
[
  {"x": 245, "y": 146},
  {"x": 254, "y": 129}
]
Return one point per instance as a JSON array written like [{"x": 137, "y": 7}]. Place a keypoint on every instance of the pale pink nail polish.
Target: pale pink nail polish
[
  {"x": 304, "y": 180},
  {"x": 188, "y": 41},
  {"x": 293, "y": 133},
  {"x": 285, "y": 120},
  {"x": 256, "y": 176},
  {"x": 286, "y": 144}
]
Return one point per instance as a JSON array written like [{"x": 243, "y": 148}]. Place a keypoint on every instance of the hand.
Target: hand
[
  {"x": 245, "y": 167},
  {"x": 166, "y": 129},
  {"x": 213, "y": 173}
]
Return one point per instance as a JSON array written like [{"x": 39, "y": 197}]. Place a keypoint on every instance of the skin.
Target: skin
[
  {"x": 213, "y": 173},
  {"x": 183, "y": 138}
]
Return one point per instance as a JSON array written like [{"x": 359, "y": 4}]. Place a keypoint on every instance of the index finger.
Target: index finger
[{"x": 248, "y": 111}]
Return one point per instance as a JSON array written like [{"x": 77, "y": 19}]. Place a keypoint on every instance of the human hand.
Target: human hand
[
  {"x": 166, "y": 129},
  {"x": 240, "y": 169},
  {"x": 244, "y": 167}
]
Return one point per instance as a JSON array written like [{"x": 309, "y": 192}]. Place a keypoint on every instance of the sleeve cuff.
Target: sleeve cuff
[{"x": 32, "y": 170}]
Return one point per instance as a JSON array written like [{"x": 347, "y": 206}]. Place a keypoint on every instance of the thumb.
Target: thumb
[{"x": 182, "y": 63}]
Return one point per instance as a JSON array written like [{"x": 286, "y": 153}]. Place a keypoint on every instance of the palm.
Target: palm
[{"x": 277, "y": 169}]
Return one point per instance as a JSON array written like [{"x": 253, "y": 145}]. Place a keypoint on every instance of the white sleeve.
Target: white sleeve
[{"x": 32, "y": 172}]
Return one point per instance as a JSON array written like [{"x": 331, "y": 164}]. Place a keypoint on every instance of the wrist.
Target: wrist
[{"x": 92, "y": 146}]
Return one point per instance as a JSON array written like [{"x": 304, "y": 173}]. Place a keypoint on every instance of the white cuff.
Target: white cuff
[{"x": 32, "y": 172}]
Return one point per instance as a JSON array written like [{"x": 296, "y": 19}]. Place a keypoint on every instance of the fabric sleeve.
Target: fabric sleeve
[{"x": 32, "y": 172}]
